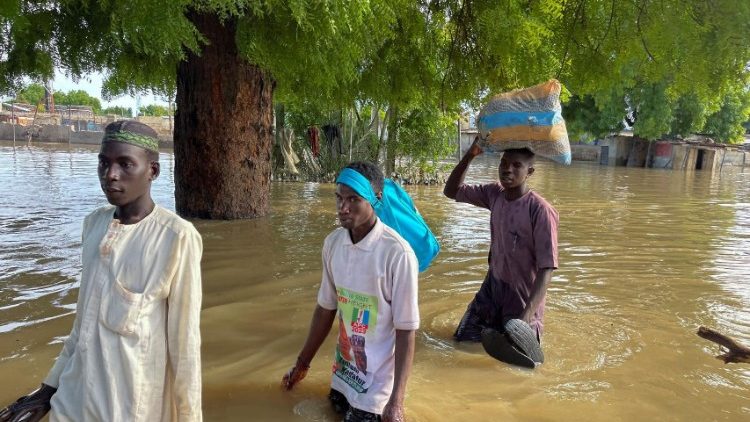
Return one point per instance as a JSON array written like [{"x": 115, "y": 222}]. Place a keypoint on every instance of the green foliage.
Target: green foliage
[
  {"x": 118, "y": 111},
  {"x": 689, "y": 115},
  {"x": 584, "y": 118},
  {"x": 675, "y": 63},
  {"x": 654, "y": 110},
  {"x": 154, "y": 110},
  {"x": 30, "y": 94},
  {"x": 659, "y": 115},
  {"x": 315, "y": 50},
  {"x": 726, "y": 123},
  {"x": 427, "y": 135},
  {"x": 78, "y": 97}
]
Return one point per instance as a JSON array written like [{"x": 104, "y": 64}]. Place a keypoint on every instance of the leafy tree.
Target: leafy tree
[
  {"x": 427, "y": 135},
  {"x": 726, "y": 123},
  {"x": 584, "y": 118},
  {"x": 653, "y": 109},
  {"x": 118, "y": 111},
  {"x": 658, "y": 115},
  {"x": 31, "y": 94},
  {"x": 689, "y": 115},
  {"x": 154, "y": 110},
  {"x": 78, "y": 97},
  {"x": 398, "y": 56}
]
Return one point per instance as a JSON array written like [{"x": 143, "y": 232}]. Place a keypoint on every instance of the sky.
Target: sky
[{"x": 92, "y": 84}]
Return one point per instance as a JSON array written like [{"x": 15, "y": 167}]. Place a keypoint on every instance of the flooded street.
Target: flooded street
[{"x": 646, "y": 256}]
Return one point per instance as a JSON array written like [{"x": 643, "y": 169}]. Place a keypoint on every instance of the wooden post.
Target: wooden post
[
  {"x": 458, "y": 152},
  {"x": 13, "y": 117}
]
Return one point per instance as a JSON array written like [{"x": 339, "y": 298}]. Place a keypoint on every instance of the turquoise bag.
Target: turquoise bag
[{"x": 397, "y": 210}]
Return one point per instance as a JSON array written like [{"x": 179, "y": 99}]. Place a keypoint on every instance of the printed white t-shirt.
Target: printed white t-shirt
[{"x": 373, "y": 286}]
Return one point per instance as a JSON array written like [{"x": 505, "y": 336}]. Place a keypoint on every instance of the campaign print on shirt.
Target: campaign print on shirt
[{"x": 357, "y": 315}]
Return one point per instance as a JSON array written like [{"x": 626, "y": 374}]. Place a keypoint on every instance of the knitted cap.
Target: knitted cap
[{"x": 132, "y": 132}]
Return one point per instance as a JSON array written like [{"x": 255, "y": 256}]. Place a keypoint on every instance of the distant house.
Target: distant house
[{"x": 693, "y": 153}]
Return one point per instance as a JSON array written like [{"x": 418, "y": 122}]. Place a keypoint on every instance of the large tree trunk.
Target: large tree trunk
[{"x": 222, "y": 134}]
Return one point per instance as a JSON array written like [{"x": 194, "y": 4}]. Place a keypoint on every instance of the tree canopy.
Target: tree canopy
[
  {"x": 648, "y": 55},
  {"x": 672, "y": 64},
  {"x": 78, "y": 97}
]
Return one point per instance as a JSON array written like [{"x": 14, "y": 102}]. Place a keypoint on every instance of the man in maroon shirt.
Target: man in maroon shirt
[{"x": 523, "y": 249}]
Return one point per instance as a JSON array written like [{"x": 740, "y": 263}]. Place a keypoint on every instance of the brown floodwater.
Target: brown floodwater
[{"x": 646, "y": 256}]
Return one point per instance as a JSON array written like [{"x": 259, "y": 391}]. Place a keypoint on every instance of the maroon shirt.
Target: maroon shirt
[{"x": 523, "y": 235}]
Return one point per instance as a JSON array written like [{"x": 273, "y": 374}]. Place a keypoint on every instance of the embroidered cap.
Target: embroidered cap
[{"x": 132, "y": 132}]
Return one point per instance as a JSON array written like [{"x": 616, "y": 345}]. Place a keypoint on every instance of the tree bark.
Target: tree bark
[{"x": 223, "y": 128}]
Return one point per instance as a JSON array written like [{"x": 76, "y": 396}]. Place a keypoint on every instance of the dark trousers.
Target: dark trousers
[
  {"x": 494, "y": 304},
  {"x": 342, "y": 407}
]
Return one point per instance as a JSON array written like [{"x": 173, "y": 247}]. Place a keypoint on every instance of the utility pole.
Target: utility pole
[
  {"x": 458, "y": 150},
  {"x": 49, "y": 97}
]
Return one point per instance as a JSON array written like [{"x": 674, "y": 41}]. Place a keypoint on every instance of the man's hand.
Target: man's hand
[
  {"x": 475, "y": 149},
  {"x": 543, "y": 277},
  {"x": 31, "y": 408},
  {"x": 393, "y": 412},
  {"x": 295, "y": 375},
  {"x": 456, "y": 178}
]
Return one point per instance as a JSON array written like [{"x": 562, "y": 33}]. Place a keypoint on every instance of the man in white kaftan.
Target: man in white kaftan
[{"x": 134, "y": 352}]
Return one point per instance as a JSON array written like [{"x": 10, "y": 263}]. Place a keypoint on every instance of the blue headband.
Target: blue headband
[
  {"x": 359, "y": 184},
  {"x": 397, "y": 211}
]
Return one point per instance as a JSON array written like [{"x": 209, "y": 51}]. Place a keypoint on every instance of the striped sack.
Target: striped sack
[{"x": 526, "y": 118}]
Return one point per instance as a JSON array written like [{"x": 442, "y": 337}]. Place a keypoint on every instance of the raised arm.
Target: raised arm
[{"x": 456, "y": 178}]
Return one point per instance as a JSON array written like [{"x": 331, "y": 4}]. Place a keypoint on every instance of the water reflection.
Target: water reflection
[{"x": 646, "y": 257}]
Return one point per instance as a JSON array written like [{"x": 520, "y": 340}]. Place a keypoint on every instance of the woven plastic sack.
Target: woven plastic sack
[{"x": 526, "y": 118}]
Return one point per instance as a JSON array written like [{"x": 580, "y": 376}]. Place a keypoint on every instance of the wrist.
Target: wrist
[
  {"x": 302, "y": 363},
  {"x": 397, "y": 399}
]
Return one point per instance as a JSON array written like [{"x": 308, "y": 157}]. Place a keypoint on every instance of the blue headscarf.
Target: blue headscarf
[{"x": 396, "y": 210}]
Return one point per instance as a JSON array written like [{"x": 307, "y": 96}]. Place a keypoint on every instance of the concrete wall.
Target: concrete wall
[
  {"x": 163, "y": 125},
  {"x": 64, "y": 134},
  {"x": 710, "y": 161},
  {"x": 6, "y": 132},
  {"x": 639, "y": 150},
  {"x": 50, "y": 133},
  {"x": 679, "y": 157},
  {"x": 619, "y": 149},
  {"x": 735, "y": 158},
  {"x": 89, "y": 138},
  {"x": 585, "y": 152},
  {"x": 662, "y": 153},
  {"x": 467, "y": 137}
]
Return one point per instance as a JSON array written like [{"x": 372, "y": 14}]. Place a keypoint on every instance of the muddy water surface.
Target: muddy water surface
[{"x": 646, "y": 257}]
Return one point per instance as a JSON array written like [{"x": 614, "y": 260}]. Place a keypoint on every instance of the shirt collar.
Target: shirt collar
[{"x": 368, "y": 242}]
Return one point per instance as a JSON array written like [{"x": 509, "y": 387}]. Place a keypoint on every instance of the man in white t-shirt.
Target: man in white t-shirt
[{"x": 369, "y": 285}]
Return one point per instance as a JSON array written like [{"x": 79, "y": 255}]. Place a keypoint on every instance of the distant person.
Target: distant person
[
  {"x": 134, "y": 351},
  {"x": 369, "y": 285},
  {"x": 523, "y": 245}
]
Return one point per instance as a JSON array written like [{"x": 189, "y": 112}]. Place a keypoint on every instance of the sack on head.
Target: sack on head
[{"x": 526, "y": 118}]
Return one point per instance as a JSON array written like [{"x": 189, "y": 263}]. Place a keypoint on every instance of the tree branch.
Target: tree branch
[
  {"x": 640, "y": 33},
  {"x": 737, "y": 352}
]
